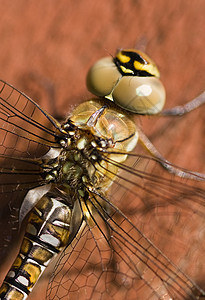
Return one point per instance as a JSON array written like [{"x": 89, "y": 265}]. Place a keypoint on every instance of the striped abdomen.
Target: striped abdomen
[{"x": 46, "y": 234}]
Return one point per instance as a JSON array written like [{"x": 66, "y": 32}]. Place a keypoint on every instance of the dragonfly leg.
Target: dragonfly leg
[
  {"x": 165, "y": 163},
  {"x": 186, "y": 108}
]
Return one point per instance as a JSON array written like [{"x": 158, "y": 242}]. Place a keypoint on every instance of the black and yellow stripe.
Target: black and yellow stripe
[
  {"x": 136, "y": 63},
  {"x": 46, "y": 234}
]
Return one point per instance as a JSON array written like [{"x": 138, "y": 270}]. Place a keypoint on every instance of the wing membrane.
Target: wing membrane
[
  {"x": 116, "y": 256},
  {"x": 25, "y": 129},
  {"x": 17, "y": 176},
  {"x": 26, "y": 133},
  {"x": 144, "y": 179}
]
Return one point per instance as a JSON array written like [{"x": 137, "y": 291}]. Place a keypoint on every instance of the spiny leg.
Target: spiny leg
[
  {"x": 165, "y": 163},
  {"x": 186, "y": 108}
]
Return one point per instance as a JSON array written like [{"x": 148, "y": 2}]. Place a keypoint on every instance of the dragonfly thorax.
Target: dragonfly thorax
[
  {"x": 96, "y": 134},
  {"x": 101, "y": 133}
]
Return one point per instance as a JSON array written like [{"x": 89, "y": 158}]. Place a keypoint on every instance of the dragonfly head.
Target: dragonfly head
[{"x": 130, "y": 80}]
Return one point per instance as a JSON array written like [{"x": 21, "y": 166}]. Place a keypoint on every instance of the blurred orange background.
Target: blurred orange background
[{"x": 46, "y": 47}]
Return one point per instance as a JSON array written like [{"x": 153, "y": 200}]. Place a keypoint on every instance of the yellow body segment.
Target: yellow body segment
[{"x": 38, "y": 247}]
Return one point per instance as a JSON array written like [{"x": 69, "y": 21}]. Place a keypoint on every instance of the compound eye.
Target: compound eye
[
  {"x": 141, "y": 95},
  {"x": 131, "y": 80},
  {"x": 102, "y": 77}
]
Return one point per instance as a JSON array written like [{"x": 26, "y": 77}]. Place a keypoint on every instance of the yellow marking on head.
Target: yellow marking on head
[
  {"x": 150, "y": 68},
  {"x": 122, "y": 57},
  {"x": 125, "y": 70}
]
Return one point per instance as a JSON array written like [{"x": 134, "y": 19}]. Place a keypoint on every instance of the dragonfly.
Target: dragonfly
[{"x": 86, "y": 191}]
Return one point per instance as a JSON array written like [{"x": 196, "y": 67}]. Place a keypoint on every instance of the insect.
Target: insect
[{"x": 83, "y": 188}]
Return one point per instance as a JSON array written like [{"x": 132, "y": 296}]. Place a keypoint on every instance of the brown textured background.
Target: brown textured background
[{"x": 54, "y": 42}]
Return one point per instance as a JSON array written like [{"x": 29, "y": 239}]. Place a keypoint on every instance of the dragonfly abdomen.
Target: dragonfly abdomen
[{"x": 46, "y": 234}]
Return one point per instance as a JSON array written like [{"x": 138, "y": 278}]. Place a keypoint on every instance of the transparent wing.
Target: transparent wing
[
  {"x": 139, "y": 241},
  {"x": 26, "y": 130},
  {"x": 26, "y": 133},
  {"x": 17, "y": 176}
]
